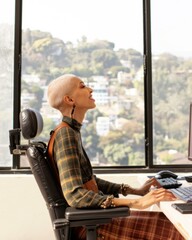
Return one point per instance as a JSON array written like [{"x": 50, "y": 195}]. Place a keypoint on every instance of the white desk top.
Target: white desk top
[{"x": 183, "y": 222}]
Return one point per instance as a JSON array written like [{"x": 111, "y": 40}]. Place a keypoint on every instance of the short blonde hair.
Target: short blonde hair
[{"x": 58, "y": 88}]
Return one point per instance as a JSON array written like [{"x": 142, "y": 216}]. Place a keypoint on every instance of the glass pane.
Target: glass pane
[
  {"x": 7, "y": 16},
  {"x": 102, "y": 42},
  {"x": 172, "y": 79}
]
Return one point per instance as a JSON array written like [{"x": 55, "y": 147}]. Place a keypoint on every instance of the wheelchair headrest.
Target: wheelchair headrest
[{"x": 31, "y": 123}]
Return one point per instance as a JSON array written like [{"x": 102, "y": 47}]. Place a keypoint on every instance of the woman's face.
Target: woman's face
[{"x": 82, "y": 95}]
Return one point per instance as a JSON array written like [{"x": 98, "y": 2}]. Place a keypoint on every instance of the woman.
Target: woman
[{"x": 72, "y": 98}]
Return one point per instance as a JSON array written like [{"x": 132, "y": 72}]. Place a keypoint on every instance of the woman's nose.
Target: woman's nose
[{"x": 91, "y": 90}]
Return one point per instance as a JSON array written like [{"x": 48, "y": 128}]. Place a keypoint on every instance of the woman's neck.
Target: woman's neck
[
  {"x": 78, "y": 118},
  {"x": 77, "y": 115}
]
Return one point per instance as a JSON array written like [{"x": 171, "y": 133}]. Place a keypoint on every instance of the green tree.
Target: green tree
[
  {"x": 115, "y": 148},
  {"x": 104, "y": 59},
  {"x": 134, "y": 57}
]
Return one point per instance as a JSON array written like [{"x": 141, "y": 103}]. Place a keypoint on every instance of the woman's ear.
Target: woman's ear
[{"x": 68, "y": 100}]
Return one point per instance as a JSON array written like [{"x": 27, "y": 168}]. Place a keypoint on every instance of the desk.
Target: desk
[{"x": 183, "y": 222}]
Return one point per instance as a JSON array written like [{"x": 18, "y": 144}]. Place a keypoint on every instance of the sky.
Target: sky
[
  {"x": 98, "y": 19},
  {"x": 118, "y": 21}
]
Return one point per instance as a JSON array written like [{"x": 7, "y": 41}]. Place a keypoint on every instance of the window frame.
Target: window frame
[{"x": 148, "y": 103}]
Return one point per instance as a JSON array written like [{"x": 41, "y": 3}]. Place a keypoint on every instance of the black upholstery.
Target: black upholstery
[
  {"x": 31, "y": 123},
  {"x": 63, "y": 217}
]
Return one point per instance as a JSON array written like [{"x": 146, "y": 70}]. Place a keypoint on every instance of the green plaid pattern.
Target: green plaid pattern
[
  {"x": 140, "y": 225},
  {"x": 75, "y": 169}
]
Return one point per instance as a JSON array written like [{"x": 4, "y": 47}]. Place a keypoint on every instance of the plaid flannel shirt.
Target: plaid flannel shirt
[{"x": 75, "y": 169}]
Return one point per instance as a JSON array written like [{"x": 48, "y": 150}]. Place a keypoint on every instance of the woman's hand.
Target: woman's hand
[
  {"x": 146, "y": 186},
  {"x": 126, "y": 189},
  {"x": 154, "y": 196}
]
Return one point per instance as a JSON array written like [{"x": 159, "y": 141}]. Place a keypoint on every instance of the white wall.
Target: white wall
[{"x": 23, "y": 213}]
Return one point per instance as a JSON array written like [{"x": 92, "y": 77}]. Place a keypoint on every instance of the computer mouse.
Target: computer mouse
[
  {"x": 188, "y": 178},
  {"x": 165, "y": 174}
]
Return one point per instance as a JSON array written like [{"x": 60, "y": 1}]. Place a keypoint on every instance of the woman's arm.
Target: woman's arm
[
  {"x": 144, "y": 189},
  {"x": 113, "y": 188},
  {"x": 108, "y": 187},
  {"x": 67, "y": 156},
  {"x": 146, "y": 201}
]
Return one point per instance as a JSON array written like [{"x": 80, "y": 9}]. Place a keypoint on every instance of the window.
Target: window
[
  {"x": 103, "y": 44},
  {"x": 7, "y": 9},
  {"x": 172, "y": 79},
  {"x": 142, "y": 115}
]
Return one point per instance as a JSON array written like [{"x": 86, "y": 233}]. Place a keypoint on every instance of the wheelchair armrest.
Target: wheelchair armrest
[
  {"x": 60, "y": 223},
  {"x": 73, "y": 214},
  {"x": 78, "y": 217}
]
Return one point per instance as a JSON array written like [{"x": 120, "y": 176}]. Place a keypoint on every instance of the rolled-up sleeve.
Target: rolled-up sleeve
[
  {"x": 108, "y": 187},
  {"x": 67, "y": 156}
]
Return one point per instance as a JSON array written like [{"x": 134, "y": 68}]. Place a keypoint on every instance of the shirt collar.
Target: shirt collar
[{"x": 72, "y": 123}]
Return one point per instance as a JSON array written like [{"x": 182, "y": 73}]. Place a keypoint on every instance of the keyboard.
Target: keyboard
[
  {"x": 183, "y": 193},
  {"x": 169, "y": 183}
]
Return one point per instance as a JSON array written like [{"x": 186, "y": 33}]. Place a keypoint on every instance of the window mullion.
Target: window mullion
[
  {"x": 148, "y": 84},
  {"x": 17, "y": 72}
]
